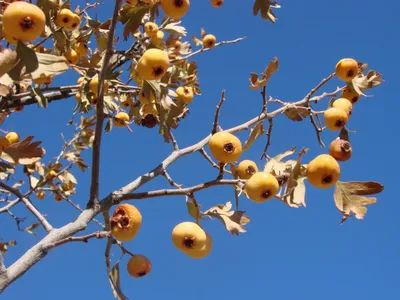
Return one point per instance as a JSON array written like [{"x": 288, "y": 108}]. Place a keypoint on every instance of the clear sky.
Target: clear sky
[{"x": 287, "y": 253}]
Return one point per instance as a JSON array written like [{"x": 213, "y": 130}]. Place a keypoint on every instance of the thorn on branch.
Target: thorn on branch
[
  {"x": 264, "y": 154},
  {"x": 221, "y": 101}
]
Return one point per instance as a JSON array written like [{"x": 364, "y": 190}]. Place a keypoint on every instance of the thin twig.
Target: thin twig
[
  {"x": 84, "y": 239},
  {"x": 89, "y": 6},
  {"x": 318, "y": 130},
  {"x": 46, "y": 225},
  {"x": 170, "y": 180},
  {"x": 210, "y": 160},
  {"x": 221, "y": 101},
  {"x": 174, "y": 142},
  {"x": 315, "y": 89},
  {"x": 207, "y": 49},
  {"x": 221, "y": 171},
  {"x": 81, "y": 210},
  {"x": 94, "y": 186},
  {"x": 264, "y": 98},
  {"x": 269, "y": 133}
]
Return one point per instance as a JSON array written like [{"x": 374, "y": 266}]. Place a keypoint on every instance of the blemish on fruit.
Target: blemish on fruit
[
  {"x": 327, "y": 179},
  {"x": 228, "y": 147},
  {"x": 178, "y": 3}
]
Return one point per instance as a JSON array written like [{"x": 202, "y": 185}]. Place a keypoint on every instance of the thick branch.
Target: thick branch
[
  {"x": 94, "y": 187},
  {"x": 29, "y": 206}
]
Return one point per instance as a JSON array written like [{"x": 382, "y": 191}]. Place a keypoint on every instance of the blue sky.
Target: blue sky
[{"x": 286, "y": 253}]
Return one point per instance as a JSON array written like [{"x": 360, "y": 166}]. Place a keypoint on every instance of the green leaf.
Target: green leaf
[{"x": 255, "y": 132}]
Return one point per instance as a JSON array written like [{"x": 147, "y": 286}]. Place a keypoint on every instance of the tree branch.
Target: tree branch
[
  {"x": 264, "y": 154},
  {"x": 85, "y": 239},
  {"x": 29, "y": 206},
  {"x": 221, "y": 101},
  {"x": 94, "y": 187}
]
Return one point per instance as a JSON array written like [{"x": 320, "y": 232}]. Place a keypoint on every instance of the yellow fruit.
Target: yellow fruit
[
  {"x": 64, "y": 18},
  {"x": 323, "y": 171},
  {"x": 261, "y": 187},
  {"x": 188, "y": 235},
  {"x": 78, "y": 97},
  {"x": 209, "y": 41},
  {"x": 51, "y": 175},
  {"x": 340, "y": 150},
  {"x": 175, "y": 9},
  {"x": 149, "y": 109},
  {"x": 40, "y": 195},
  {"x": 225, "y": 147},
  {"x": 153, "y": 64},
  {"x": 81, "y": 80},
  {"x": 94, "y": 85},
  {"x": 125, "y": 222},
  {"x": 127, "y": 103},
  {"x": 72, "y": 56},
  {"x": 24, "y": 21},
  {"x": 350, "y": 94},
  {"x": 217, "y": 3},
  {"x": 346, "y": 69},
  {"x": 12, "y": 137},
  {"x": 344, "y": 104},
  {"x": 18, "y": 108},
  {"x": 121, "y": 119},
  {"x": 177, "y": 46},
  {"x": 139, "y": 266},
  {"x": 146, "y": 97},
  {"x": 44, "y": 80},
  {"x": 58, "y": 197},
  {"x": 157, "y": 38},
  {"x": 246, "y": 169},
  {"x": 335, "y": 118},
  {"x": 81, "y": 48},
  {"x": 185, "y": 94},
  {"x": 150, "y": 28},
  {"x": 68, "y": 186},
  {"x": 9, "y": 38},
  {"x": 203, "y": 251},
  {"x": 75, "y": 22}
]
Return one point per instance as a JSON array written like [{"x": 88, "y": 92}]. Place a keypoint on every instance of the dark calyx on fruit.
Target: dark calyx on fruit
[{"x": 228, "y": 147}]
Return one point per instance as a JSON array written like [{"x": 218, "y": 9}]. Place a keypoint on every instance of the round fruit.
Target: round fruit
[
  {"x": 209, "y": 41},
  {"x": 75, "y": 22},
  {"x": 323, "y": 171},
  {"x": 146, "y": 97},
  {"x": 217, "y": 3},
  {"x": 64, "y": 18},
  {"x": 40, "y": 195},
  {"x": 94, "y": 85},
  {"x": 125, "y": 222},
  {"x": 78, "y": 97},
  {"x": 72, "y": 56},
  {"x": 51, "y": 175},
  {"x": 81, "y": 48},
  {"x": 203, "y": 251},
  {"x": 340, "y": 150},
  {"x": 12, "y": 137},
  {"x": 261, "y": 187},
  {"x": 153, "y": 64},
  {"x": 188, "y": 235},
  {"x": 81, "y": 80},
  {"x": 150, "y": 28},
  {"x": 344, "y": 104},
  {"x": 44, "y": 80},
  {"x": 246, "y": 169},
  {"x": 175, "y": 9},
  {"x": 350, "y": 94},
  {"x": 4, "y": 143},
  {"x": 346, "y": 69},
  {"x": 335, "y": 118},
  {"x": 177, "y": 46},
  {"x": 157, "y": 38},
  {"x": 9, "y": 38},
  {"x": 225, "y": 147},
  {"x": 121, "y": 119},
  {"x": 24, "y": 21},
  {"x": 58, "y": 197},
  {"x": 139, "y": 266},
  {"x": 185, "y": 94}
]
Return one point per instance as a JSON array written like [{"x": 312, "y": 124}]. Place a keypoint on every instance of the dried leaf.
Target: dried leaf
[
  {"x": 264, "y": 7},
  {"x": 234, "y": 221},
  {"x": 344, "y": 135},
  {"x": 8, "y": 59},
  {"x": 131, "y": 17},
  {"x": 114, "y": 278},
  {"x": 49, "y": 65},
  {"x": 255, "y": 132},
  {"x": 4, "y": 91},
  {"x": 364, "y": 82},
  {"x": 297, "y": 113},
  {"x": 276, "y": 165},
  {"x": 194, "y": 211},
  {"x": 349, "y": 197},
  {"x": 297, "y": 172},
  {"x": 23, "y": 152},
  {"x": 256, "y": 83},
  {"x": 30, "y": 229},
  {"x": 174, "y": 28}
]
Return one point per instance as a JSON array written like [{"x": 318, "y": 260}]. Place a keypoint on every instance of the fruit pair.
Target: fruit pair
[
  {"x": 67, "y": 19},
  {"x": 338, "y": 115},
  {"x": 23, "y": 21},
  {"x": 192, "y": 240}
]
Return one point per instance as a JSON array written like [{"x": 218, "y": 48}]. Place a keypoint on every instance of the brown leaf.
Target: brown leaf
[
  {"x": 3, "y": 116},
  {"x": 276, "y": 165},
  {"x": 4, "y": 91},
  {"x": 49, "y": 65},
  {"x": 8, "y": 59},
  {"x": 297, "y": 113},
  {"x": 115, "y": 282},
  {"x": 255, "y": 132},
  {"x": 256, "y": 83},
  {"x": 30, "y": 229},
  {"x": 364, "y": 82},
  {"x": 23, "y": 152},
  {"x": 264, "y": 7},
  {"x": 193, "y": 211},
  {"x": 131, "y": 17},
  {"x": 234, "y": 221},
  {"x": 349, "y": 198}
]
